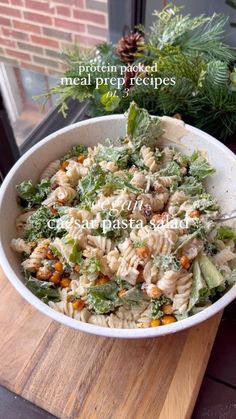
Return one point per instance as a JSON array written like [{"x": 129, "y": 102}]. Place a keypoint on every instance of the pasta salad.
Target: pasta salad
[{"x": 123, "y": 235}]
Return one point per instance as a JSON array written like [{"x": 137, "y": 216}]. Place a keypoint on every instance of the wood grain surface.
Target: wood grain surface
[{"x": 75, "y": 375}]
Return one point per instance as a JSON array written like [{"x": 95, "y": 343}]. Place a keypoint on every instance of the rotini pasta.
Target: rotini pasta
[
  {"x": 129, "y": 254},
  {"x": 150, "y": 272},
  {"x": 115, "y": 321},
  {"x": 148, "y": 158},
  {"x": 181, "y": 298},
  {"x": 139, "y": 180},
  {"x": 60, "y": 179},
  {"x": 167, "y": 181},
  {"x": 224, "y": 256},
  {"x": 21, "y": 246},
  {"x": 167, "y": 155},
  {"x": 35, "y": 259},
  {"x": 168, "y": 283},
  {"x": 50, "y": 170},
  {"x": 113, "y": 260},
  {"x": 22, "y": 222},
  {"x": 156, "y": 202},
  {"x": 98, "y": 320},
  {"x": 75, "y": 171},
  {"x": 101, "y": 243}
]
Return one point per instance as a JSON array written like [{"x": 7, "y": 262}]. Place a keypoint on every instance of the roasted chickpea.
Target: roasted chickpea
[
  {"x": 64, "y": 165},
  {"x": 102, "y": 279},
  {"x": 155, "y": 292},
  {"x": 43, "y": 274},
  {"x": 155, "y": 322},
  {"x": 167, "y": 308},
  {"x": 81, "y": 158},
  {"x": 78, "y": 305},
  {"x": 55, "y": 278},
  {"x": 167, "y": 320},
  {"x": 53, "y": 210},
  {"x": 160, "y": 218},
  {"x": 185, "y": 262},
  {"x": 156, "y": 219},
  {"x": 194, "y": 214},
  {"x": 77, "y": 268},
  {"x": 143, "y": 251},
  {"x": 65, "y": 282},
  {"x": 58, "y": 266}
]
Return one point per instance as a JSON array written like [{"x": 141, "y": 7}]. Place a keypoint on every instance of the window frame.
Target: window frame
[{"x": 123, "y": 15}]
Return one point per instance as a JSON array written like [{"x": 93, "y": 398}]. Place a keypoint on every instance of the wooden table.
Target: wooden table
[{"x": 74, "y": 375}]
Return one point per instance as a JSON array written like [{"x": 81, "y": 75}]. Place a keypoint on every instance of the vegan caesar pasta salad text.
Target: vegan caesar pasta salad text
[{"x": 169, "y": 262}]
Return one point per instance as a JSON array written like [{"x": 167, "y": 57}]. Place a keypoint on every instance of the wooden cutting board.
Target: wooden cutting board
[{"x": 74, "y": 375}]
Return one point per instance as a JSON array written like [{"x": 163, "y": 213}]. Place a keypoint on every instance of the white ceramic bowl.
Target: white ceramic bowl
[{"x": 90, "y": 132}]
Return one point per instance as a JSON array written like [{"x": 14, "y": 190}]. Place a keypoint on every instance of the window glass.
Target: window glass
[
  {"x": 196, "y": 8},
  {"x": 32, "y": 35}
]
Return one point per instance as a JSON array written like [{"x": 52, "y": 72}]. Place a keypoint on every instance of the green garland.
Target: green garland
[{"x": 191, "y": 49}]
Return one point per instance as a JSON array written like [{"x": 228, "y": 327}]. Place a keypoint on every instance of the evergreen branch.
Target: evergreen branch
[
  {"x": 170, "y": 26},
  {"x": 231, "y": 3},
  {"x": 189, "y": 49},
  {"x": 199, "y": 34},
  {"x": 217, "y": 111},
  {"x": 178, "y": 65},
  {"x": 181, "y": 98},
  {"x": 208, "y": 39},
  {"x": 217, "y": 74}
]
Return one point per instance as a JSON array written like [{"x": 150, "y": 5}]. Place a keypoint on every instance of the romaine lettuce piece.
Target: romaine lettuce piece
[
  {"x": 172, "y": 169},
  {"x": 103, "y": 298},
  {"x": 44, "y": 290},
  {"x": 67, "y": 248},
  {"x": 91, "y": 183},
  {"x": 76, "y": 151},
  {"x": 231, "y": 278},
  {"x": 225, "y": 233},
  {"x": 97, "y": 180},
  {"x": 92, "y": 266},
  {"x": 141, "y": 128},
  {"x": 205, "y": 202},
  {"x": 200, "y": 168},
  {"x": 133, "y": 296},
  {"x": 199, "y": 227},
  {"x": 113, "y": 182},
  {"x": 191, "y": 186},
  {"x": 42, "y": 223},
  {"x": 119, "y": 155},
  {"x": 210, "y": 273},
  {"x": 199, "y": 287},
  {"x": 167, "y": 262},
  {"x": 31, "y": 194},
  {"x": 156, "y": 306}
]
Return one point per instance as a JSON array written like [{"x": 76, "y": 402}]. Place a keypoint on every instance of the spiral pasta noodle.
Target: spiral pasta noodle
[
  {"x": 168, "y": 283},
  {"x": 21, "y": 246},
  {"x": 148, "y": 158},
  {"x": 35, "y": 259},
  {"x": 50, "y": 170},
  {"x": 181, "y": 298},
  {"x": 224, "y": 256},
  {"x": 23, "y": 222},
  {"x": 101, "y": 243}
]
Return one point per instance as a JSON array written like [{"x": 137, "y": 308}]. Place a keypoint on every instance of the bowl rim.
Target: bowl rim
[{"x": 191, "y": 321}]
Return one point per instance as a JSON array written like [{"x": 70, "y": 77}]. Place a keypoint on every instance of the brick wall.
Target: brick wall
[{"x": 32, "y": 32}]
